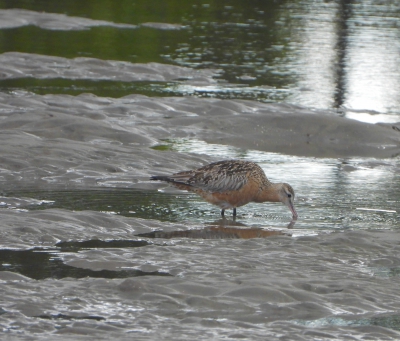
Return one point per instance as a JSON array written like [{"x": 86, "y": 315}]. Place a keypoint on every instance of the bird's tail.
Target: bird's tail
[
  {"x": 161, "y": 178},
  {"x": 175, "y": 179}
]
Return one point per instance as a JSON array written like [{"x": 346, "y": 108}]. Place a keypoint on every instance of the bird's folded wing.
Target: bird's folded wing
[{"x": 211, "y": 181}]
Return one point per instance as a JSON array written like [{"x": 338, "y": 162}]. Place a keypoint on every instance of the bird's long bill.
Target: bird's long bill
[{"x": 291, "y": 207}]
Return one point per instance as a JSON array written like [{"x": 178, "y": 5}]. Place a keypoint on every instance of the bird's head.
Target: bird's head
[{"x": 286, "y": 196}]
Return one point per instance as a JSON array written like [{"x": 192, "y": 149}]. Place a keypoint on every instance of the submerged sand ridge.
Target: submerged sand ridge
[
  {"x": 23, "y": 65},
  {"x": 245, "y": 124},
  {"x": 331, "y": 285},
  {"x": 142, "y": 121},
  {"x": 86, "y": 140},
  {"x": 15, "y": 17},
  {"x": 285, "y": 130}
]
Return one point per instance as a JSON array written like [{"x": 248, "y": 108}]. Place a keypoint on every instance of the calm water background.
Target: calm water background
[{"x": 339, "y": 56}]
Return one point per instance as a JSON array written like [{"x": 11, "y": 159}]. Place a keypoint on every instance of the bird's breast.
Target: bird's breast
[{"x": 230, "y": 199}]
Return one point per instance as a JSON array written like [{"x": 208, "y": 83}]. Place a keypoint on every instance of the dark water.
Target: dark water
[
  {"x": 341, "y": 55},
  {"x": 41, "y": 264}
]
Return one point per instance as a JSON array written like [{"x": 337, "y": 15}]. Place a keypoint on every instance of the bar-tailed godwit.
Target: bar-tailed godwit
[{"x": 232, "y": 183}]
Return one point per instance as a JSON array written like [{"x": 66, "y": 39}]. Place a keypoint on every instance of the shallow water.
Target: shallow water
[
  {"x": 330, "y": 193},
  {"x": 95, "y": 99}
]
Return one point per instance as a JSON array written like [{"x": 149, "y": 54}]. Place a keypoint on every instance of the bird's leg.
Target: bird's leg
[
  {"x": 222, "y": 212},
  {"x": 234, "y": 211}
]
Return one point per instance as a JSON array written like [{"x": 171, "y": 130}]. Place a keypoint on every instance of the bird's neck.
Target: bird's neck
[{"x": 269, "y": 193}]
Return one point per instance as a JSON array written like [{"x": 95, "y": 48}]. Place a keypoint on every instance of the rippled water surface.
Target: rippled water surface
[
  {"x": 330, "y": 193},
  {"x": 338, "y": 54},
  {"x": 97, "y": 96}
]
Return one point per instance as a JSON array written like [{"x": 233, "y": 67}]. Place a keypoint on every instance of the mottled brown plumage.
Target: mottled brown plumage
[{"x": 232, "y": 183}]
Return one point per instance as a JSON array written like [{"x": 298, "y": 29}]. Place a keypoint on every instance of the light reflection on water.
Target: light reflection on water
[
  {"x": 331, "y": 194},
  {"x": 373, "y": 59},
  {"x": 338, "y": 55}
]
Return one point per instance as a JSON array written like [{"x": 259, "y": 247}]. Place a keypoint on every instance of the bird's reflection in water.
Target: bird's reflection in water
[{"x": 220, "y": 229}]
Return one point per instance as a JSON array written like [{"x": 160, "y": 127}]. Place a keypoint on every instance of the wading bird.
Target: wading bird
[{"x": 231, "y": 184}]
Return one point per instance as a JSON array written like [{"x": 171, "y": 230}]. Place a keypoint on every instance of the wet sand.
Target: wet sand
[
  {"x": 275, "y": 286},
  {"x": 68, "y": 141},
  {"x": 327, "y": 286},
  {"x": 15, "y": 17}
]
